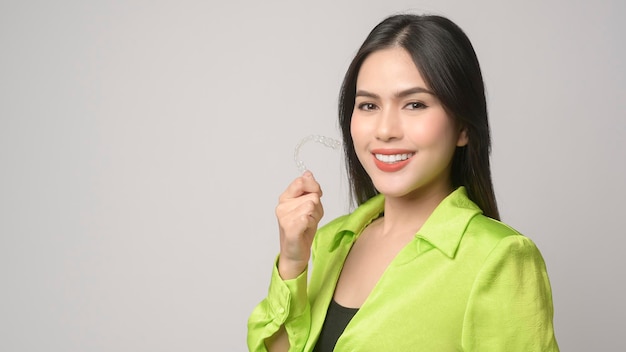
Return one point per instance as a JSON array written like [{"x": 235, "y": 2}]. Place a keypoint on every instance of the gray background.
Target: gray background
[{"x": 143, "y": 145}]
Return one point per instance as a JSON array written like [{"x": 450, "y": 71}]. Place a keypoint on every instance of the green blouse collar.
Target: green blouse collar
[{"x": 442, "y": 230}]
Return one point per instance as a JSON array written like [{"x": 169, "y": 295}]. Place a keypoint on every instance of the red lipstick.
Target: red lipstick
[{"x": 388, "y": 165}]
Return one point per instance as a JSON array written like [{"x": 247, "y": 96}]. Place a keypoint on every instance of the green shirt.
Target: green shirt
[{"x": 466, "y": 282}]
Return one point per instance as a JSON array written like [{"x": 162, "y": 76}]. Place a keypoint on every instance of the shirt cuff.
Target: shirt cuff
[{"x": 287, "y": 298}]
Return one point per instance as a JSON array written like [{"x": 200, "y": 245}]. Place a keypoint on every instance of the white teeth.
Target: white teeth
[{"x": 393, "y": 158}]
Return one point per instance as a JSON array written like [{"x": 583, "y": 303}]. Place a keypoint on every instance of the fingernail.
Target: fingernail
[{"x": 308, "y": 174}]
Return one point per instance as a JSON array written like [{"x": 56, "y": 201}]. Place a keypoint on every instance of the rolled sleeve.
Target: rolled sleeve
[{"x": 286, "y": 304}]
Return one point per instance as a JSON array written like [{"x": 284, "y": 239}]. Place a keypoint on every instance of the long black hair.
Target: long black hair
[{"x": 446, "y": 60}]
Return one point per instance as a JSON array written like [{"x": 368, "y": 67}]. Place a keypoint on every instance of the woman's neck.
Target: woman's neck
[{"x": 406, "y": 215}]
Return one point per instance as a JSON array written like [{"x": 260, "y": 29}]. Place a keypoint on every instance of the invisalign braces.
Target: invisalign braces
[{"x": 326, "y": 141}]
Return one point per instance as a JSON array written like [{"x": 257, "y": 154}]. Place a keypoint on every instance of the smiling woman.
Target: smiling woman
[
  {"x": 423, "y": 262},
  {"x": 401, "y": 132}
]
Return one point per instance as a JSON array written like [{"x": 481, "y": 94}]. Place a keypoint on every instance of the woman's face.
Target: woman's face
[{"x": 402, "y": 135}]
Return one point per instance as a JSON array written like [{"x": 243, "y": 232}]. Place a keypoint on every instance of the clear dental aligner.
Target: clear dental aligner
[{"x": 327, "y": 141}]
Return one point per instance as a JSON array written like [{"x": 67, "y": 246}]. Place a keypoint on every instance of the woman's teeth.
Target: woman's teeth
[{"x": 393, "y": 158}]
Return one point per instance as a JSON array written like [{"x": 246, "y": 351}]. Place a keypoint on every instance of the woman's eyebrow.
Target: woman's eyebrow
[
  {"x": 414, "y": 90},
  {"x": 364, "y": 93},
  {"x": 400, "y": 94}
]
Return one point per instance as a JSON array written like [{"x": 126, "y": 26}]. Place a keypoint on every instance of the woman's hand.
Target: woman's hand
[{"x": 299, "y": 211}]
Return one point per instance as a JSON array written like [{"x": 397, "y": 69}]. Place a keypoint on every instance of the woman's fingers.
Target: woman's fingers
[
  {"x": 308, "y": 213},
  {"x": 298, "y": 215},
  {"x": 291, "y": 204},
  {"x": 301, "y": 185}
]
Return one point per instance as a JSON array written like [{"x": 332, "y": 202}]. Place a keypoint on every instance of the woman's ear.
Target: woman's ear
[{"x": 463, "y": 139}]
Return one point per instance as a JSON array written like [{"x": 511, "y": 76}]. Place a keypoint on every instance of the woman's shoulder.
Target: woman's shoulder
[
  {"x": 485, "y": 225},
  {"x": 490, "y": 233}
]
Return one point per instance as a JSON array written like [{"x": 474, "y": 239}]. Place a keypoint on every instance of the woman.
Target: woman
[{"x": 423, "y": 263}]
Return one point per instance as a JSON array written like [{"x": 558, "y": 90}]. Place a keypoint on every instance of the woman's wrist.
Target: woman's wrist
[{"x": 290, "y": 269}]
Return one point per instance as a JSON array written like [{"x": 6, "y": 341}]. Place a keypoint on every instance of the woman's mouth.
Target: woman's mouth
[{"x": 391, "y": 160}]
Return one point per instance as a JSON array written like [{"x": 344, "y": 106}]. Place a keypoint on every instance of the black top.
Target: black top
[{"x": 337, "y": 318}]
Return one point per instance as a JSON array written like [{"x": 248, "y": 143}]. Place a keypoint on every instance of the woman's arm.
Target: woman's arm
[
  {"x": 282, "y": 320},
  {"x": 510, "y": 306}
]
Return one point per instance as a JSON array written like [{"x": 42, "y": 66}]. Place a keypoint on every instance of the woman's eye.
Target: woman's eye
[
  {"x": 367, "y": 106},
  {"x": 415, "y": 105}
]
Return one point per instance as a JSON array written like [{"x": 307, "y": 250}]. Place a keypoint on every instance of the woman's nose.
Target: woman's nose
[{"x": 389, "y": 126}]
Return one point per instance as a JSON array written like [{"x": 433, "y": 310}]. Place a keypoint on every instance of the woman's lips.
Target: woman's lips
[{"x": 391, "y": 160}]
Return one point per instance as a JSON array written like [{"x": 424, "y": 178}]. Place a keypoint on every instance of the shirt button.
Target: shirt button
[{"x": 281, "y": 310}]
